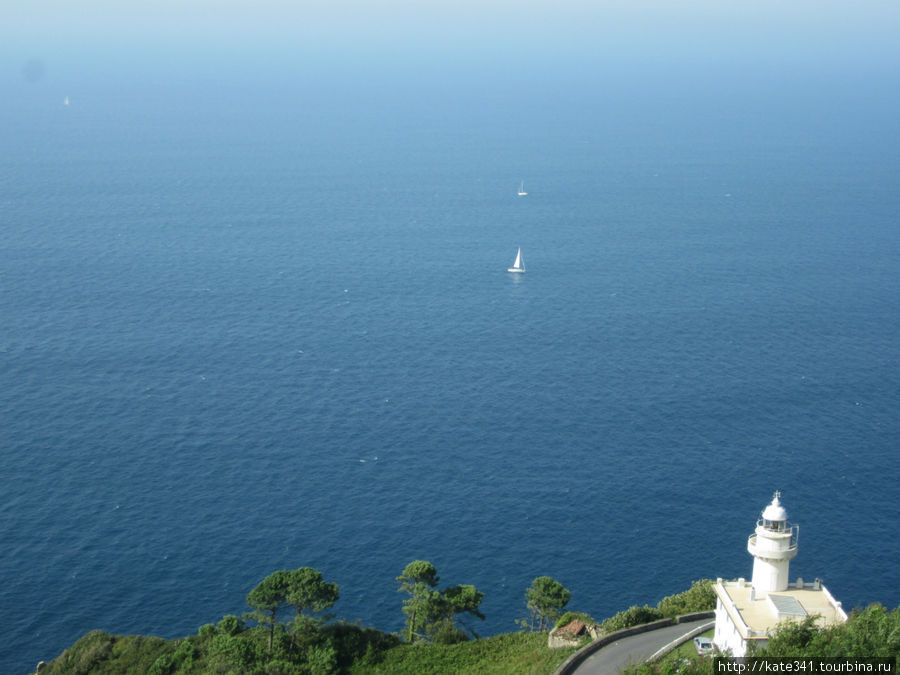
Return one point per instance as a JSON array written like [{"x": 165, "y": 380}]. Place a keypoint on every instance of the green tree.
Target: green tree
[
  {"x": 268, "y": 599},
  {"x": 302, "y": 590},
  {"x": 431, "y": 614},
  {"x": 545, "y": 599},
  {"x": 418, "y": 580},
  {"x": 464, "y": 599},
  {"x": 309, "y": 593}
]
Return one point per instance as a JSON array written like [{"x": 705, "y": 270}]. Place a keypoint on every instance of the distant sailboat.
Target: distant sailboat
[
  {"x": 519, "y": 265},
  {"x": 66, "y": 101},
  {"x": 522, "y": 192}
]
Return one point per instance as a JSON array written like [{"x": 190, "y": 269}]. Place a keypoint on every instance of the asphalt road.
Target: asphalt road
[{"x": 615, "y": 657}]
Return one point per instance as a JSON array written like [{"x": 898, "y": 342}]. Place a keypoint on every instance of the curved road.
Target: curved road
[{"x": 615, "y": 657}]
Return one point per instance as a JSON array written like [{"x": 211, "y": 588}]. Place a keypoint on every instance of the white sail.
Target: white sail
[{"x": 519, "y": 264}]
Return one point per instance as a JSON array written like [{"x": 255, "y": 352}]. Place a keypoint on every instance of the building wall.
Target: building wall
[{"x": 727, "y": 638}]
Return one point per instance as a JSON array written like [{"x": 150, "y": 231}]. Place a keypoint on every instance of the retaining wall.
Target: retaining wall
[{"x": 571, "y": 664}]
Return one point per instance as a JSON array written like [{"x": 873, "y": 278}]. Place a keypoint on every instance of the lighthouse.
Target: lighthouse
[
  {"x": 773, "y": 545},
  {"x": 750, "y": 612}
]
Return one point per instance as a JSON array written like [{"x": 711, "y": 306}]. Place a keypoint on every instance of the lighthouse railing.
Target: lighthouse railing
[{"x": 792, "y": 546}]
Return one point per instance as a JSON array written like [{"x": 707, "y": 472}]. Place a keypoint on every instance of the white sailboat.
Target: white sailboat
[
  {"x": 522, "y": 192},
  {"x": 519, "y": 264}
]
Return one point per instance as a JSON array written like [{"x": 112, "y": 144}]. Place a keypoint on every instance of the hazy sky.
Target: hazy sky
[
  {"x": 821, "y": 25},
  {"x": 532, "y": 36}
]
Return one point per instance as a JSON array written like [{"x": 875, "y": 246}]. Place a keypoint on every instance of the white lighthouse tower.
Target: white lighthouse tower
[
  {"x": 749, "y": 613},
  {"x": 773, "y": 546}
]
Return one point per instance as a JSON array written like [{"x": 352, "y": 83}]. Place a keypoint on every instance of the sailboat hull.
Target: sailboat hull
[{"x": 515, "y": 270}]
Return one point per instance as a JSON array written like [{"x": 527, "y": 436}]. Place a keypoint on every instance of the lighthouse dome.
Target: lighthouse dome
[{"x": 775, "y": 511}]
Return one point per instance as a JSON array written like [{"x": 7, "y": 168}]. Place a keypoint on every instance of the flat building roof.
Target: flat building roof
[{"x": 757, "y": 614}]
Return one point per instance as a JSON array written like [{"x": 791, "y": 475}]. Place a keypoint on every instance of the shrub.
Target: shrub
[
  {"x": 162, "y": 665},
  {"x": 90, "y": 651},
  {"x": 352, "y": 642},
  {"x": 633, "y": 616},
  {"x": 227, "y": 653},
  {"x": 279, "y": 667},
  {"x": 230, "y": 625},
  {"x": 700, "y": 597},
  {"x": 321, "y": 660},
  {"x": 445, "y": 633}
]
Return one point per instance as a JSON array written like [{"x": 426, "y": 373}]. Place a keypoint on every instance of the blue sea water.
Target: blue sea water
[{"x": 246, "y": 330}]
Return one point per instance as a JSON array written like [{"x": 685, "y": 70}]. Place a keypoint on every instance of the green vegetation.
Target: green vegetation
[
  {"x": 507, "y": 654},
  {"x": 330, "y": 649},
  {"x": 431, "y": 615},
  {"x": 545, "y": 599},
  {"x": 633, "y": 616},
  {"x": 302, "y": 590},
  {"x": 99, "y": 652},
  {"x": 354, "y": 650},
  {"x": 700, "y": 597},
  {"x": 290, "y": 635},
  {"x": 872, "y": 632}
]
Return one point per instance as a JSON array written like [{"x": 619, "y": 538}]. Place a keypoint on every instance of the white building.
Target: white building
[{"x": 749, "y": 612}]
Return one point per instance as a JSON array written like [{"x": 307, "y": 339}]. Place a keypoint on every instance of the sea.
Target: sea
[{"x": 249, "y": 324}]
